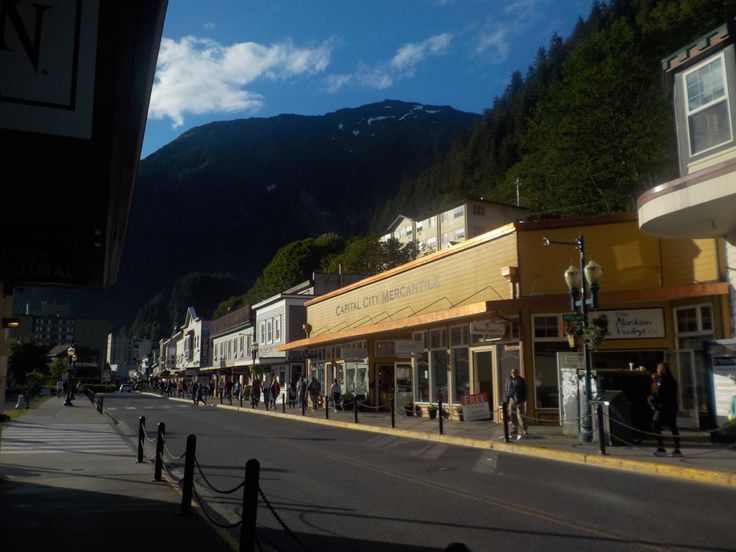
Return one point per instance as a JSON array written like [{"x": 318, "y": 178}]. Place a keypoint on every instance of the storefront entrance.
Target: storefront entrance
[
  {"x": 492, "y": 368},
  {"x": 402, "y": 384}
]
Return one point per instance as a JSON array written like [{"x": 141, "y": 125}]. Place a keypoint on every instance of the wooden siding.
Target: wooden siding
[
  {"x": 688, "y": 261},
  {"x": 630, "y": 259},
  {"x": 470, "y": 275}
]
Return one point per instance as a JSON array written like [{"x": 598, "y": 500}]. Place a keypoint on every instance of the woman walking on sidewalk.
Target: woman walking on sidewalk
[{"x": 664, "y": 403}]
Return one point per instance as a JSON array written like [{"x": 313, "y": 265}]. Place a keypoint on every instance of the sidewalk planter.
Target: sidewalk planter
[
  {"x": 409, "y": 409},
  {"x": 457, "y": 413},
  {"x": 432, "y": 409}
]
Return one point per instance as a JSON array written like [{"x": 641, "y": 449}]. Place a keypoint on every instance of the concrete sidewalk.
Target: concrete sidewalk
[
  {"x": 701, "y": 461},
  {"x": 68, "y": 481}
]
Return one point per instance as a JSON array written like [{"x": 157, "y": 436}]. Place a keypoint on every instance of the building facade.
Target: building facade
[
  {"x": 700, "y": 79},
  {"x": 453, "y": 324},
  {"x": 453, "y": 224}
]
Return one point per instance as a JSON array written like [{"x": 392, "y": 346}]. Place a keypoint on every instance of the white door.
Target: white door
[{"x": 682, "y": 364}]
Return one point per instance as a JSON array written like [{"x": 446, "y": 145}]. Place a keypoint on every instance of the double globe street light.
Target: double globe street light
[{"x": 582, "y": 282}]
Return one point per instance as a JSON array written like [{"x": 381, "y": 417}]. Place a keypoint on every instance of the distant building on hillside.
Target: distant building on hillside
[{"x": 455, "y": 223}]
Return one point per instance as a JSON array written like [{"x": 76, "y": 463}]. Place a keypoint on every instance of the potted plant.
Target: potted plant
[
  {"x": 458, "y": 412},
  {"x": 432, "y": 409},
  {"x": 409, "y": 409}
]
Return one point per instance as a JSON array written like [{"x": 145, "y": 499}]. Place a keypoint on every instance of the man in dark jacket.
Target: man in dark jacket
[
  {"x": 664, "y": 403},
  {"x": 516, "y": 400}
]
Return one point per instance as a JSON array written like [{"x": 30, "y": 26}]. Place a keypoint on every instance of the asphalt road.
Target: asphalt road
[{"x": 345, "y": 490}]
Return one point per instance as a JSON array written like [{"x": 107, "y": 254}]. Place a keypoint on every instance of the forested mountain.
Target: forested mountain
[
  {"x": 587, "y": 128},
  {"x": 223, "y": 197}
]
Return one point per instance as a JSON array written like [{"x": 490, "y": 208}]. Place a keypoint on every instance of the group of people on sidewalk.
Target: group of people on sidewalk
[{"x": 662, "y": 401}]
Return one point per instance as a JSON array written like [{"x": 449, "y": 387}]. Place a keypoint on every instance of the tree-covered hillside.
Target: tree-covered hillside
[{"x": 587, "y": 129}]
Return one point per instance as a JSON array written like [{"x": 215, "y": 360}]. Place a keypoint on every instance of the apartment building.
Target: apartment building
[{"x": 453, "y": 224}]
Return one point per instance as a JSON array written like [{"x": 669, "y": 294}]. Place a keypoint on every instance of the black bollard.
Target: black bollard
[
  {"x": 241, "y": 399},
  {"x": 188, "y": 482},
  {"x": 250, "y": 506},
  {"x": 304, "y": 406},
  {"x": 355, "y": 407},
  {"x": 327, "y": 408},
  {"x": 102, "y": 406},
  {"x": 159, "y": 451},
  {"x": 505, "y": 414},
  {"x": 393, "y": 413},
  {"x": 141, "y": 436},
  {"x": 439, "y": 415},
  {"x": 283, "y": 404},
  {"x": 601, "y": 429}
]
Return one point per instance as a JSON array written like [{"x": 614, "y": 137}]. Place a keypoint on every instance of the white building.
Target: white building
[{"x": 453, "y": 224}]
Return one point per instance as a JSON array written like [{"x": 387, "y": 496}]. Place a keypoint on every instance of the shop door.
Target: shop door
[
  {"x": 402, "y": 384},
  {"x": 483, "y": 370},
  {"x": 385, "y": 384},
  {"x": 682, "y": 364}
]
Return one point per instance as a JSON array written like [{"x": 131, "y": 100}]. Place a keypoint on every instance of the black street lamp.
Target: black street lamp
[
  {"x": 70, "y": 376},
  {"x": 254, "y": 353},
  {"x": 577, "y": 281}
]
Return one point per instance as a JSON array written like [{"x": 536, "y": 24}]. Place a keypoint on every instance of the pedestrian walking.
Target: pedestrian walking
[
  {"x": 291, "y": 394},
  {"x": 275, "y": 390},
  {"x": 664, "y": 404},
  {"x": 516, "y": 393},
  {"x": 314, "y": 389},
  {"x": 255, "y": 392},
  {"x": 335, "y": 393},
  {"x": 301, "y": 390}
]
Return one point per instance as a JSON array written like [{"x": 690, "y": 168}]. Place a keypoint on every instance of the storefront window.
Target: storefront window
[
  {"x": 461, "y": 371},
  {"x": 440, "y": 367},
  {"x": 422, "y": 369},
  {"x": 545, "y": 373}
]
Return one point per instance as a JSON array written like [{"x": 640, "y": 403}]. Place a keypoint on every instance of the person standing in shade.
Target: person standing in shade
[
  {"x": 664, "y": 403},
  {"x": 275, "y": 391},
  {"x": 314, "y": 390},
  {"x": 335, "y": 393},
  {"x": 516, "y": 392},
  {"x": 301, "y": 390}
]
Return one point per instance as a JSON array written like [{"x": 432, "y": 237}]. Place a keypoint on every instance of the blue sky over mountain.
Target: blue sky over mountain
[{"x": 228, "y": 59}]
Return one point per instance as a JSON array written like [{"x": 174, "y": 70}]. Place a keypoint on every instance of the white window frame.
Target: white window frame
[
  {"x": 713, "y": 103},
  {"x": 560, "y": 337},
  {"x": 277, "y": 329},
  {"x": 698, "y": 317},
  {"x": 458, "y": 212}
]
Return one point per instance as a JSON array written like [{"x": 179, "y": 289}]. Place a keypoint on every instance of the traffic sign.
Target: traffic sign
[{"x": 572, "y": 317}]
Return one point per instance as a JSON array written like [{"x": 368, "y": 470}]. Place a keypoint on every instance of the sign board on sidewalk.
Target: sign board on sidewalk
[{"x": 475, "y": 407}]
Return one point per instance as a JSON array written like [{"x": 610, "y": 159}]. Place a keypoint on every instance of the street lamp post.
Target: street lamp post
[
  {"x": 70, "y": 376},
  {"x": 254, "y": 354},
  {"x": 581, "y": 282}
]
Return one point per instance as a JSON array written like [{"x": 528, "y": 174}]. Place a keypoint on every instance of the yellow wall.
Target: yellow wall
[
  {"x": 689, "y": 261},
  {"x": 630, "y": 259},
  {"x": 471, "y": 273}
]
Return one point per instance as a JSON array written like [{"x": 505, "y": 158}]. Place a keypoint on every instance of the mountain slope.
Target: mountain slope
[{"x": 223, "y": 197}]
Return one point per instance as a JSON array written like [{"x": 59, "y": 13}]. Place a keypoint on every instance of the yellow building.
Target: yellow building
[{"x": 456, "y": 322}]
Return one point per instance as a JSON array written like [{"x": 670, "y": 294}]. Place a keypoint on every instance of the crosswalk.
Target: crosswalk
[{"x": 24, "y": 438}]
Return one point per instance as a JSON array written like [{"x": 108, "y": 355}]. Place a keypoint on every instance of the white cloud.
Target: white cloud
[
  {"x": 209, "y": 25},
  {"x": 495, "y": 43},
  {"x": 383, "y": 74},
  {"x": 198, "y": 75},
  {"x": 411, "y": 54}
]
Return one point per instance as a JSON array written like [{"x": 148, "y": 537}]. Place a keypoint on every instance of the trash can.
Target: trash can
[{"x": 636, "y": 387}]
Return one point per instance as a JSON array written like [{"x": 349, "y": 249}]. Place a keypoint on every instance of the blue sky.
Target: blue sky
[{"x": 230, "y": 59}]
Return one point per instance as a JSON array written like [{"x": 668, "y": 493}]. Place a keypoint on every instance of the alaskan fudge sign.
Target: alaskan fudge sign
[{"x": 633, "y": 323}]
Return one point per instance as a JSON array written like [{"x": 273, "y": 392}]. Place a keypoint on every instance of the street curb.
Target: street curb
[{"x": 695, "y": 475}]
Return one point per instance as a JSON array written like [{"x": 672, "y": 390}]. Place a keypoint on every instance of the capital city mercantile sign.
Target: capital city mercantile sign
[{"x": 387, "y": 296}]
